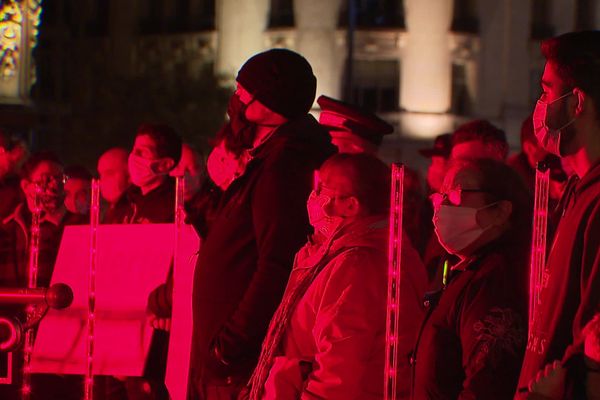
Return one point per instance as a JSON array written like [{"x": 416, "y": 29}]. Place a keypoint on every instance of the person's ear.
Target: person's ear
[
  {"x": 352, "y": 208},
  {"x": 581, "y": 99},
  {"x": 504, "y": 211},
  {"x": 24, "y": 184}
]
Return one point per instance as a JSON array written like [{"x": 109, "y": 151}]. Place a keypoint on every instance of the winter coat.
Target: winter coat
[
  {"x": 473, "y": 338},
  {"x": 244, "y": 263},
  {"x": 334, "y": 345}
]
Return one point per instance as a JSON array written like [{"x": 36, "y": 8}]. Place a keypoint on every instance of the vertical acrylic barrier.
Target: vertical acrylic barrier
[
  {"x": 538, "y": 240},
  {"x": 394, "y": 276},
  {"x": 178, "y": 361},
  {"x": 32, "y": 276},
  {"x": 91, "y": 317}
]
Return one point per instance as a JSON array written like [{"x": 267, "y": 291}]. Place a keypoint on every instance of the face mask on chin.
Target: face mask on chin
[
  {"x": 457, "y": 227},
  {"x": 549, "y": 138},
  {"x": 318, "y": 218},
  {"x": 141, "y": 171}
]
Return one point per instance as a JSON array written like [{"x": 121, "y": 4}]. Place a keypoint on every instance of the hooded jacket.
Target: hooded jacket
[
  {"x": 571, "y": 295},
  {"x": 334, "y": 345}
]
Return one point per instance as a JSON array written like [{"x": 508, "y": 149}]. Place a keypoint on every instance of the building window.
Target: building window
[
  {"x": 541, "y": 13},
  {"x": 461, "y": 100},
  {"x": 376, "y": 85},
  {"x": 281, "y": 13},
  {"x": 374, "y": 13}
]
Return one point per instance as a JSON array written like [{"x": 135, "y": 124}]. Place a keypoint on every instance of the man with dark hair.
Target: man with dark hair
[
  {"x": 156, "y": 151},
  {"x": 567, "y": 123},
  {"x": 479, "y": 139},
  {"x": 264, "y": 162},
  {"x": 327, "y": 338}
]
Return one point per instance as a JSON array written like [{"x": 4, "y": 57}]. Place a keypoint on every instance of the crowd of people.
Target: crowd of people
[{"x": 289, "y": 298}]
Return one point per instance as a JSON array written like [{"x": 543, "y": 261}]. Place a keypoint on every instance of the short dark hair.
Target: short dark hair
[
  {"x": 370, "y": 178},
  {"x": 483, "y": 131},
  {"x": 35, "y": 160},
  {"x": 78, "y": 172},
  {"x": 168, "y": 141},
  {"x": 576, "y": 57}
]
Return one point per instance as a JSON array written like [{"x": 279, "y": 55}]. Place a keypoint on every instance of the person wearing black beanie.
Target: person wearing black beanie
[
  {"x": 280, "y": 79},
  {"x": 263, "y": 161}
]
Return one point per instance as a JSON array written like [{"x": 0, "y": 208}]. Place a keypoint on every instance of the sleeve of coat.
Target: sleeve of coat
[
  {"x": 281, "y": 227},
  {"x": 350, "y": 326},
  {"x": 493, "y": 333},
  {"x": 589, "y": 281}
]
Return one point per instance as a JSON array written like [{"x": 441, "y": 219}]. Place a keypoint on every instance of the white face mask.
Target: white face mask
[
  {"x": 457, "y": 227},
  {"x": 141, "y": 171},
  {"x": 549, "y": 138},
  {"x": 317, "y": 216},
  {"x": 223, "y": 167}
]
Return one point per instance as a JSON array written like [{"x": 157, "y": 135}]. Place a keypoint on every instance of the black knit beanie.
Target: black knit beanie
[{"x": 280, "y": 79}]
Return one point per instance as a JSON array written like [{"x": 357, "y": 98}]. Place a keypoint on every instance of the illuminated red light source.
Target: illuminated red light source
[{"x": 10, "y": 334}]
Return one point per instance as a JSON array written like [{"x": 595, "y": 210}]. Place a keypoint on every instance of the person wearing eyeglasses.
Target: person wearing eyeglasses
[
  {"x": 41, "y": 177},
  {"x": 327, "y": 337},
  {"x": 473, "y": 338}
]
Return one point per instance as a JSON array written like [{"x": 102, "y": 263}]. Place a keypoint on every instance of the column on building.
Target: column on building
[
  {"x": 316, "y": 23},
  {"x": 516, "y": 105},
  {"x": 504, "y": 59},
  {"x": 426, "y": 63},
  {"x": 240, "y": 33}
]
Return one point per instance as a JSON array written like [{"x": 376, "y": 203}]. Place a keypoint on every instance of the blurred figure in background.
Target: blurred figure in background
[
  {"x": 114, "y": 182},
  {"x": 78, "y": 185},
  {"x": 479, "y": 139},
  {"x": 11, "y": 155},
  {"x": 191, "y": 167},
  {"x": 352, "y": 129},
  {"x": 439, "y": 154},
  {"x": 530, "y": 155}
]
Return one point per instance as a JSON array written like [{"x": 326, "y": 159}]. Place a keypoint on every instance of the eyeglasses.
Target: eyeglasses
[
  {"x": 453, "y": 196},
  {"x": 44, "y": 180},
  {"x": 329, "y": 192}
]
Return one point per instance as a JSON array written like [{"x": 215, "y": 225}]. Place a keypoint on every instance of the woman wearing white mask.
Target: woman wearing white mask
[
  {"x": 473, "y": 338},
  {"x": 327, "y": 338}
]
